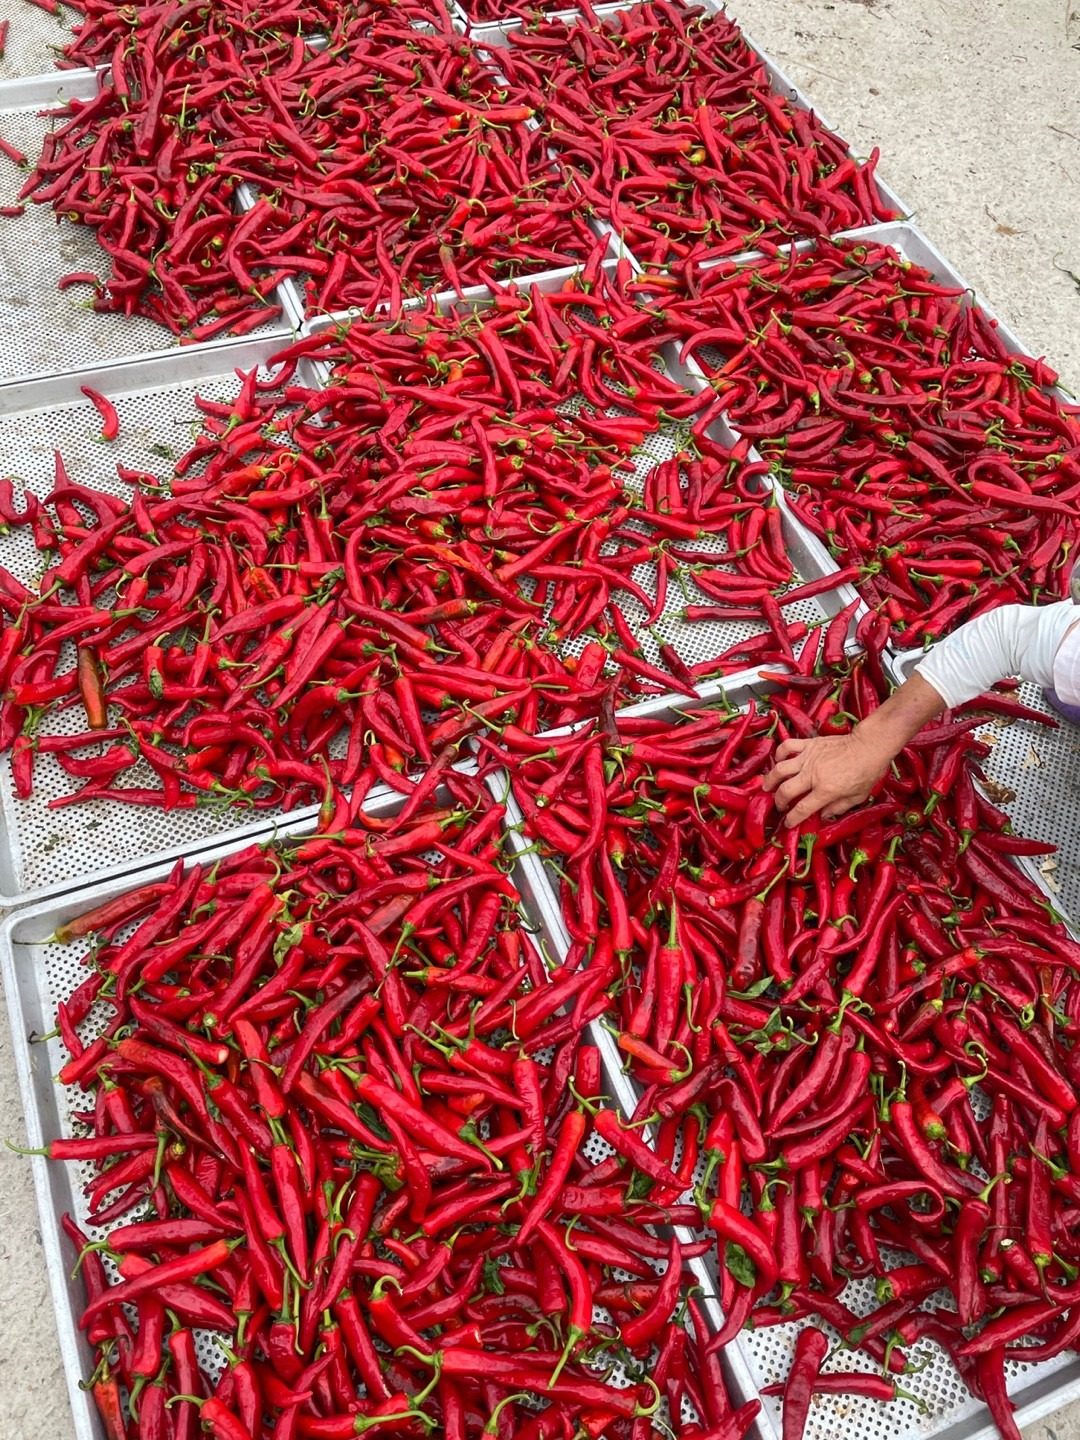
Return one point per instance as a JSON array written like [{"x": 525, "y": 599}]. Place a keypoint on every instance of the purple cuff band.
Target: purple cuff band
[{"x": 1071, "y": 713}]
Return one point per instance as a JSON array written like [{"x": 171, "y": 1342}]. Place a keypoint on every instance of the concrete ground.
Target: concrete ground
[{"x": 976, "y": 107}]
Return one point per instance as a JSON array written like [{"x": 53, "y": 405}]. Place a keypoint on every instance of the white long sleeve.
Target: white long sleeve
[{"x": 1012, "y": 640}]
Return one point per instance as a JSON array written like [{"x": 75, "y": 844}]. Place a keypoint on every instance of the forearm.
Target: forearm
[
  {"x": 1011, "y": 640},
  {"x": 886, "y": 730}
]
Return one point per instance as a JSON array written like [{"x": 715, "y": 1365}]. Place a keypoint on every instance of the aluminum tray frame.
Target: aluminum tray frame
[{"x": 59, "y": 334}]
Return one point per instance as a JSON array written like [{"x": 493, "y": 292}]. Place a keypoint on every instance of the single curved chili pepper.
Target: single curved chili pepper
[
  {"x": 811, "y": 1347},
  {"x": 110, "y": 426}
]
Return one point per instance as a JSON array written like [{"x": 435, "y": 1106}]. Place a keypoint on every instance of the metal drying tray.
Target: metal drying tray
[
  {"x": 47, "y": 852},
  {"x": 783, "y": 83},
  {"x": 763, "y": 1357},
  {"x": 38, "y": 974},
  {"x": 42, "y": 851},
  {"x": 699, "y": 641},
  {"x": 1040, "y": 769},
  {"x": 910, "y": 243},
  {"x": 43, "y": 329}
]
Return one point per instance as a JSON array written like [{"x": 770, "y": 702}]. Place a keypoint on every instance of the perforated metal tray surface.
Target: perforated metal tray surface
[
  {"x": 44, "y": 329},
  {"x": 45, "y": 851},
  {"x": 35, "y": 37},
  {"x": 763, "y": 1357}
]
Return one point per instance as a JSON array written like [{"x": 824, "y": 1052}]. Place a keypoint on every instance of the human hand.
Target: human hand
[{"x": 830, "y": 774}]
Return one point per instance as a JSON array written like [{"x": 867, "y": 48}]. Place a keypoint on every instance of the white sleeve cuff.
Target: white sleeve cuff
[{"x": 1011, "y": 640}]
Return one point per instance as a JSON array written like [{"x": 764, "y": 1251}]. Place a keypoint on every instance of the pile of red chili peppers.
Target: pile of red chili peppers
[
  {"x": 357, "y": 1163},
  {"x": 940, "y": 471},
  {"x": 328, "y": 568},
  {"x": 858, "y": 1035},
  {"x": 668, "y": 121},
  {"x": 372, "y": 152},
  {"x": 228, "y": 149},
  {"x": 341, "y": 1115}
]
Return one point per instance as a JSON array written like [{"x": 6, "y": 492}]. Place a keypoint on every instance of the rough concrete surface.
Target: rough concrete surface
[{"x": 976, "y": 107}]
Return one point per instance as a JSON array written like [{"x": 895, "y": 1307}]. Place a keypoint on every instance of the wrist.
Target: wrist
[
  {"x": 902, "y": 715},
  {"x": 879, "y": 742}
]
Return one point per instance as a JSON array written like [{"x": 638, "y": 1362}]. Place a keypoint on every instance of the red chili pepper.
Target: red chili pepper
[
  {"x": 91, "y": 689},
  {"x": 733, "y": 1227},
  {"x": 657, "y": 1314},
  {"x": 853, "y": 1382},
  {"x": 811, "y": 1347},
  {"x": 110, "y": 421},
  {"x": 106, "y": 1392},
  {"x": 185, "y": 1267}
]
